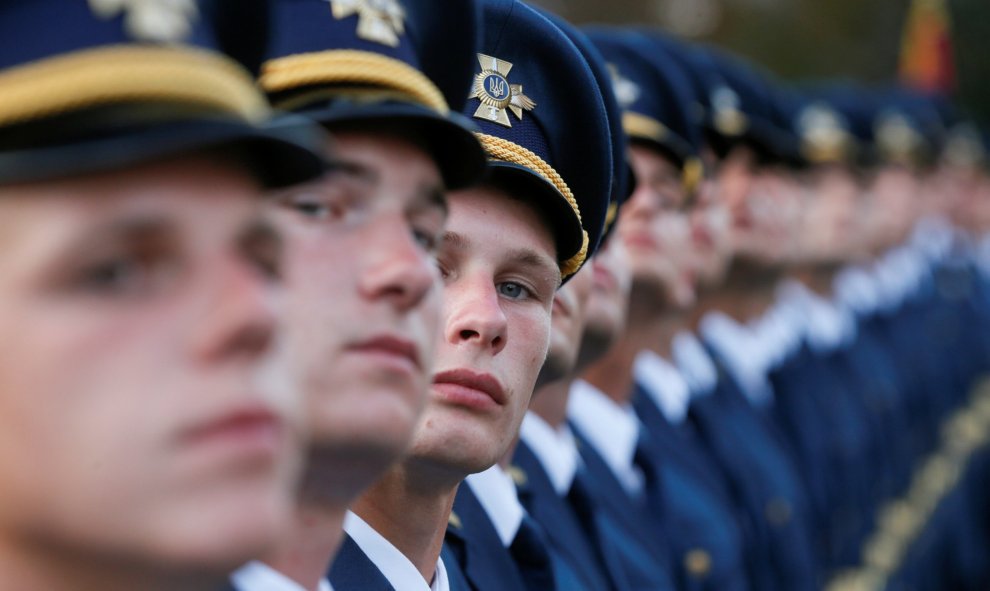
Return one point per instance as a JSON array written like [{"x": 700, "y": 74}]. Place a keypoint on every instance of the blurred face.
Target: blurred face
[
  {"x": 364, "y": 303},
  {"x": 608, "y": 302},
  {"x": 567, "y": 323},
  {"x": 711, "y": 237},
  {"x": 828, "y": 221},
  {"x": 655, "y": 230},
  {"x": 894, "y": 191},
  {"x": 500, "y": 273},
  {"x": 136, "y": 420}
]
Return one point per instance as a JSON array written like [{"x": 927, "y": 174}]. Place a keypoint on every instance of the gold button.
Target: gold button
[{"x": 698, "y": 562}]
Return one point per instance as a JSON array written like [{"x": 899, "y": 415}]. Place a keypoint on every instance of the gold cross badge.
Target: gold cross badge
[
  {"x": 492, "y": 88},
  {"x": 381, "y": 21}
]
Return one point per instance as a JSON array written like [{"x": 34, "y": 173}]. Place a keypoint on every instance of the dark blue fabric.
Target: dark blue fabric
[
  {"x": 352, "y": 570},
  {"x": 630, "y": 526},
  {"x": 574, "y": 543},
  {"x": 485, "y": 562}
]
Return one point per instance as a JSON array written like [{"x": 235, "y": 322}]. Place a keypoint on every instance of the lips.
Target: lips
[
  {"x": 604, "y": 279},
  {"x": 250, "y": 429},
  {"x": 390, "y": 346},
  {"x": 469, "y": 388}
]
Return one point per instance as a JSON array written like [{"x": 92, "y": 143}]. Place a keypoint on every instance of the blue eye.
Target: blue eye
[{"x": 512, "y": 290}]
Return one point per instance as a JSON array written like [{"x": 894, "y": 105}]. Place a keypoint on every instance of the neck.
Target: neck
[
  {"x": 646, "y": 329},
  {"x": 307, "y": 550},
  {"x": 27, "y": 565},
  {"x": 550, "y": 402},
  {"x": 747, "y": 292},
  {"x": 817, "y": 278},
  {"x": 410, "y": 507}
]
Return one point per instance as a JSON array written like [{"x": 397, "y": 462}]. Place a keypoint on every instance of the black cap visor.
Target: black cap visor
[
  {"x": 278, "y": 155},
  {"x": 449, "y": 139}
]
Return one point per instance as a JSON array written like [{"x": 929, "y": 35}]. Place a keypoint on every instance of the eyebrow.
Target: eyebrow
[
  {"x": 532, "y": 259},
  {"x": 432, "y": 195}
]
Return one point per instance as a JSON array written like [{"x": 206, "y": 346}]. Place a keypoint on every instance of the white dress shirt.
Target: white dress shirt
[
  {"x": 555, "y": 449},
  {"x": 399, "y": 570},
  {"x": 695, "y": 363},
  {"x": 497, "y": 494},
  {"x": 611, "y": 429},
  {"x": 665, "y": 385},
  {"x": 258, "y": 576},
  {"x": 742, "y": 354}
]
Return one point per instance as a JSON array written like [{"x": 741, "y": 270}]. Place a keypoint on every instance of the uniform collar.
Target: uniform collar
[
  {"x": 555, "y": 449},
  {"x": 695, "y": 363},
  {"x": 258, "y": 576},
  {"x": 613, "y": 430},
  {"x": 497, "y": 494},
  {"x": 664, "y": 384},
  {"x": 399, "y": 570}
]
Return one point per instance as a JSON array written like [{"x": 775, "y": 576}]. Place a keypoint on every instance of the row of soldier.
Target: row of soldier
[{"x": 486, "y": 301}]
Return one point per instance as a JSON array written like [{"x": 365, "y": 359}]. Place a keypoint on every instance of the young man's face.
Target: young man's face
[
  {"x": 656, "y": 230},
  {"x": 566, "y": 325},
  {"x": 711, "y": 238},
  {"x": 500, "y": 273},
  {"x": 136, "y": 417},
  {"x": 608, "y": 303},
  {"x": 828, "y": 221},
  {"x": 364, "y": 303}
]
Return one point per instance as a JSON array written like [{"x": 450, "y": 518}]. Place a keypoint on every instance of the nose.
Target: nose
[
  {"x": 398, "y": 269},
  {"x": 241, "y": 314},
  {"x": 474, "y": 314}
]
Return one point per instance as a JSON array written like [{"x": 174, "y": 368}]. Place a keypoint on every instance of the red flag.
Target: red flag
[{"x": 926, "y": 48}]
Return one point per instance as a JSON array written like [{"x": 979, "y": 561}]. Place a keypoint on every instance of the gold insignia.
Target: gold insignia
[
  {"x": 492, "y": 88},
  {"x": 381, "y": 21},
  {"x": 698, "y": 562},
  {"x": 150, "y": 20},
  {"x": 626, "y": 91},
  {"x": 517, "y": 474},
  {"x": 454, "y": 521}
]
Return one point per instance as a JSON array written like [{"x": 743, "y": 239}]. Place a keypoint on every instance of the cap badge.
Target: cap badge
[
  {"x": 492, "y": 88},
  {"x": 380, "y": 21},
  {"x": 626, "y": 91},
  {"x": 150, "y": 20}
]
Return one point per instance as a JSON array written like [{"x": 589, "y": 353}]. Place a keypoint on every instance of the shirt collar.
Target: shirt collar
[
  {"x": 613, "y": 430},
  {"x": 742, "y": 355},
  {"x": 555, "y": 449},
  {"x": 399, "y": 570},
  {"x": 497, "y": 494},
  {"x": 695, "y": 363},
  {"x": 664, "y": 384},
  {"x": 258, "y": 576}
]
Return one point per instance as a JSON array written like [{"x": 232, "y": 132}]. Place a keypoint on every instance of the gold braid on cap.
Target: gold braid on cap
[
  {"x": 128, "y": 73},
  {"x": 351, "y": 66},
  {"x": 503, "y": 150}
]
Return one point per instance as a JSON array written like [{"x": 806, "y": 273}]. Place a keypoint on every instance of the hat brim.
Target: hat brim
[
  {"x": 279, "y": 155},
  {"x": 535, "y": 191},
  {"x": 449, "y": 138}
]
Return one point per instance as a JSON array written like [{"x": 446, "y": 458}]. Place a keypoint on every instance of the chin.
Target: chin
[
  {"x": 221, "y": 536},
  {"x": 459, "y": 446}
]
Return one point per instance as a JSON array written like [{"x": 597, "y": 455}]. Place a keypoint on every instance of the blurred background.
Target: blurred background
[{"x": 933, "y": 44}]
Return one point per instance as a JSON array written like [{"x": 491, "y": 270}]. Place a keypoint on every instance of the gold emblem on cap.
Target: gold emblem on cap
[
  {"x": 381, "y": 21},
  {"x": 492, "y": 88},
  {"x": 626, "y": 91},
  {"x": 150, "y": 20}
]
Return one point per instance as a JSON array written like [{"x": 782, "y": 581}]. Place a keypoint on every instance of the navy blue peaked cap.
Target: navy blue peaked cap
[
  {"x": 401, "y": 65},
  {"x": 762, "y": 125},
  {"x": 716, "y": 109},
  {"x": 92, "y": 85},
  {"x": 657, "y": 97},
  {"x": 822, "y": 131},
  {"x": 622, "y": 175},
  {"x": 544, "y": 124}
]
